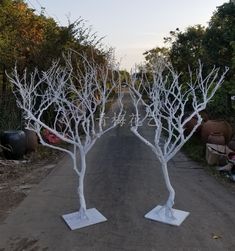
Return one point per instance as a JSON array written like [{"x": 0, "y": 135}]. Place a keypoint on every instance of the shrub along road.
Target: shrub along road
[{"x": 124, "y": 181}]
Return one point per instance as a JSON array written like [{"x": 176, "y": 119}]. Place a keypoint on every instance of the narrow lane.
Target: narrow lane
[{"x": 124, "y": 181}]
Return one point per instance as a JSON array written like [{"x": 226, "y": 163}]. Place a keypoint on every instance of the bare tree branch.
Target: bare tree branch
[
  {"x": 163, "y": 101},
  {"x": 77, "y": 99}
]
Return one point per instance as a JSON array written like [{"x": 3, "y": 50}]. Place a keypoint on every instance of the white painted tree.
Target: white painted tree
[
  {"x": 78, "y": 97},
  {"x": 163, "y": 106}
]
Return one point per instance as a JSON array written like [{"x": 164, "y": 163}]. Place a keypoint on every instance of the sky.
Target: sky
[{"x": 131, "y": 27}]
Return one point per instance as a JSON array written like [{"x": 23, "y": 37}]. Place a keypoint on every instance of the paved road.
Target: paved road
[{"x": 124, "y": 181}]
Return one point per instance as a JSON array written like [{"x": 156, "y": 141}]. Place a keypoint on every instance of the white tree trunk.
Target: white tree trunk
[
  {"x": 170, "y": 202},
  {"x": 82, "y": 210}
]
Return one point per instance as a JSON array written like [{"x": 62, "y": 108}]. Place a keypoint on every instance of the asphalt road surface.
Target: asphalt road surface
[{"x": 124, "y": 181}]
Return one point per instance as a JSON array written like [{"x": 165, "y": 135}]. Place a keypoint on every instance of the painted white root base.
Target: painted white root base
[
  {"x": 158, "y": 214},
  {"x": 75, "y": 222}
]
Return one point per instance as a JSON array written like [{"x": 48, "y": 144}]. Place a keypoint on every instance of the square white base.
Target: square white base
[
  {"x": 74, "y": 222},
  {"x": 159, "y": 215}
]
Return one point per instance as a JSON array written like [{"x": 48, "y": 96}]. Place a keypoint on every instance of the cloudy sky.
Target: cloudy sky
[{"x": 131, "y": 26}]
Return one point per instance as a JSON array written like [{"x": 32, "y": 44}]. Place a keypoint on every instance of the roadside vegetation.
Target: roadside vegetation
[
  {"x": 29, "y": 40},
  {"x": 214, "y": 45}
]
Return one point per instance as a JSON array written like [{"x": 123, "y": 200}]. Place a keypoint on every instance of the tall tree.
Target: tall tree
[
  {"x": 219, "y": 50},
  {"x": 213, "y": 45},
  {"x": 31, "y": 40},
  {"x": 21, "y": 33},
  {"x": 186, "y": 47},
  {"x": 152, "y": 56}
]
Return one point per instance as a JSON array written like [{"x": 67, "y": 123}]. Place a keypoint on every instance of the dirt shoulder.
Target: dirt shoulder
[{"x": 17, "y": 178}]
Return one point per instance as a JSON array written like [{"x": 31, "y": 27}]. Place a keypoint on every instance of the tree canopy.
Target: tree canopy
[
  {"x": 35, "y": 40},
  {"x": 214, "y": 45},
  {"x": 30, "y": 40}
]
